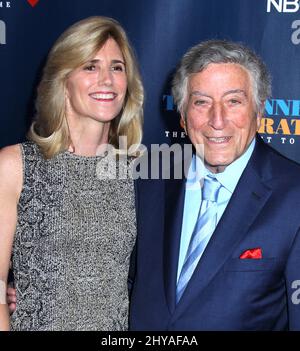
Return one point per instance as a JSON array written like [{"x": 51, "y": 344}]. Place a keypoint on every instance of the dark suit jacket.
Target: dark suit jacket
[{"x": 225, "y": 292}]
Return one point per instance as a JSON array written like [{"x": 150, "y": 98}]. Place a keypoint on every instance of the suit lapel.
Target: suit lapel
[
  {"x": 248, "y": 199},
  {"x": 174, "y": 204}
]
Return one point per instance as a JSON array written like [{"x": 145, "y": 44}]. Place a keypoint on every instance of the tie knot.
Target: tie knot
[{"x": 210, "y": 189}]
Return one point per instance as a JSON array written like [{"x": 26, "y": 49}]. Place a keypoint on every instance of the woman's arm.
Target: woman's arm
[{"x": 11, "y": 179}]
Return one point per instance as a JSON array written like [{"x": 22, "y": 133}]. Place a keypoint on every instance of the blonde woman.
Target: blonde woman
[{"x": 69, "y": 231}]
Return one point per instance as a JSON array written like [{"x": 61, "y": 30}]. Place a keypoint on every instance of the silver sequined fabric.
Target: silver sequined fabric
[{"x": 73, "y": 241}]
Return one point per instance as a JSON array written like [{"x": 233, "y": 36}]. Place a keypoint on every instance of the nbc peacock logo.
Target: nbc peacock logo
[{"x": 33, "y": 3}]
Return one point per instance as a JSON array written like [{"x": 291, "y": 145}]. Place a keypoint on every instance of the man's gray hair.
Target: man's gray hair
[{"x": 221, "y": 51}]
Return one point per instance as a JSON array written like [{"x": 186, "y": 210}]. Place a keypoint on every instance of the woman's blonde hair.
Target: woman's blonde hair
[{"x": 77, "y": 45}]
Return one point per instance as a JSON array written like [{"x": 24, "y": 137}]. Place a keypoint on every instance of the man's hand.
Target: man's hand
[{"x": 11, "y": 299}]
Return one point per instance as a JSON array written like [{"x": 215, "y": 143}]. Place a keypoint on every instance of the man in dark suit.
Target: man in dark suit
[{"x": 220, "y": 251}]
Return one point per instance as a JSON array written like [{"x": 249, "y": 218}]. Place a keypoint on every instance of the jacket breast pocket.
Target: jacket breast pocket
[{"x": 252, "y": 265}]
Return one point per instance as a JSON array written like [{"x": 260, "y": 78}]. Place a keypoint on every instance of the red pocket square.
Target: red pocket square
[{"x": 252, "y": 254}]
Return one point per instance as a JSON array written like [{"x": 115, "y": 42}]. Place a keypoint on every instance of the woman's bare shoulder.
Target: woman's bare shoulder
[{"x": 11, "y": 167}]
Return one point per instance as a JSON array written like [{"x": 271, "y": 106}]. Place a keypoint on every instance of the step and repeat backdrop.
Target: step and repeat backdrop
[{"x": 161, "y": 31}]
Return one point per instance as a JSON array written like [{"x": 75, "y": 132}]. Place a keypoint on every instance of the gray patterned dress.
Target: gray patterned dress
[{"x": 73, "y": 241}]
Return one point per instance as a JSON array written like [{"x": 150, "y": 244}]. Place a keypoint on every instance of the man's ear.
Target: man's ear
[
  {"x": 258, "y": 119},
  {"x": 182, "y": 122}
]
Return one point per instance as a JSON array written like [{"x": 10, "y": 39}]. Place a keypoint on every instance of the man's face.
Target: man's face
[{"x": 219, "y": 113}]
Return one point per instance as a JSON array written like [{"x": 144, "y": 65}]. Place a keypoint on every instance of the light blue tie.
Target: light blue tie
[{"x": 204, "y": 228}]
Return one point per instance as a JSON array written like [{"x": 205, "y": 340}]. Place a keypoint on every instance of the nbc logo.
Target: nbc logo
[
  {"x": 283, "y": 5},
  {"x": 32, "y": 2}
]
